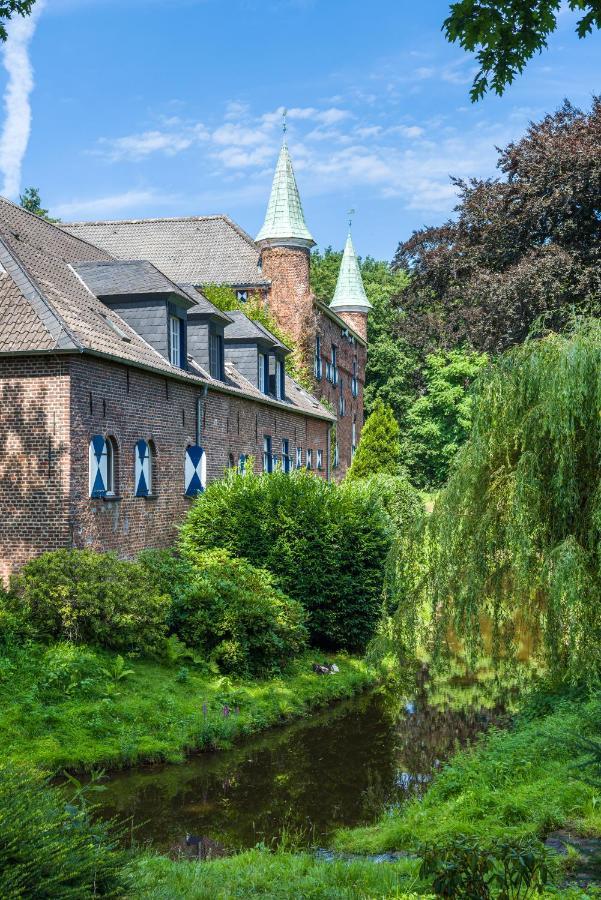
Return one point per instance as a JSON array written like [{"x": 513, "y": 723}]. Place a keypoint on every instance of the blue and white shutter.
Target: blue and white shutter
[
  {"x": 195, "y": 471},
  {"x": 143, "y": 473},
  {"x": 98, "y": 466}
]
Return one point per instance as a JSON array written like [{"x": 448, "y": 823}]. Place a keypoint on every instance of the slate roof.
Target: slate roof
[
  {"x": 110, "y": 278},
  {"x": 202, "y": 306},
  {"x": 46, "y": 307},
  {"x": 242, "y": 329},
  {"x": 194, "y": 249}
]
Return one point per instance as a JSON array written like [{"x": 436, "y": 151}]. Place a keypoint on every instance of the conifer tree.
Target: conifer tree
[{"x": 379, "y": 449}]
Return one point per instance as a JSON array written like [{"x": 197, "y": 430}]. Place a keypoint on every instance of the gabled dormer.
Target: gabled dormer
[
  {"x": 206, "y": 324},
  {"x": 257, "y": 354},
  {"x": 150, "y": 303}
]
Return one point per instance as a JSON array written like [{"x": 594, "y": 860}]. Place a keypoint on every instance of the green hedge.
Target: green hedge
[
  {"x": 88, "y": 598},
  {"x": 326, "y": 545},
  {"x": 230, "y": 611}
]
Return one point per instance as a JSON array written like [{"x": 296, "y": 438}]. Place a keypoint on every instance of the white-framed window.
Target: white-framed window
[
  {"x": 309, "y": 458},
  {"x": 354, "y": 436},
  {"x": 355, "y": 380},
  {"x": 320, "y": 459},
  {"x": 286, "y": 460},
  {"x": 334, "y": 364},
  {"x": 267, "y": 454},
  {"x": 318, "y": 362},
  {"x": 341, "y": 400},
  {"x": 299, "y": 457},
  {"x": 261, "y": 380},
  {"x": 242, "y": 296},
  {"x": 242, "y": 463},
  {"x": 175, "y": 341},
  {"x": 336, "y": 456},
  {"x": 101, "y": 456},
  {"x": 143, "y": 468}
]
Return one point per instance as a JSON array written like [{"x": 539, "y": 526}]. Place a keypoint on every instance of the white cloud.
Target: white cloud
[
  {"x": 17, "y": 122},
  {"x": 134, "y": 147},
  {"x": 114, "y": 204}
]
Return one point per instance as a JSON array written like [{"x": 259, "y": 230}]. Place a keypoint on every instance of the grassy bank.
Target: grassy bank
[
  {"x": 258, "y": 873},
  {"x": 66, "y": 707},
  {"x": 524, "y": 781}
]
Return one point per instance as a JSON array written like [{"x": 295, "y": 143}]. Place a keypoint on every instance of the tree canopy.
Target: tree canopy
[
  {"x": 506, "y": 34},
  {"x": 31, "y": 201},
  {"x": 8, "y": 8},
  {"x": 515, "y": 535},
  {"x": 524, "y": 246}
]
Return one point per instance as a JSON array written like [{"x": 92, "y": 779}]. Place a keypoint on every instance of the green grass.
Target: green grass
[
  {"x": 258, "y": 873},
  {"x": 514, "y": 783},
  {"x": 68, "y": 714}
]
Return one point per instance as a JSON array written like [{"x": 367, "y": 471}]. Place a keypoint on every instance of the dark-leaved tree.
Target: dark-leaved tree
[
  {"x": 31, "y": 201},
  {"x": 523, "y": 247},
  {"x": 507, "y": 33},
  {"x": 8, "y": 8}
]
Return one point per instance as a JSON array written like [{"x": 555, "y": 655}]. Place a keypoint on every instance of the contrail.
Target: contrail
[{"x": 17, "y": 122}]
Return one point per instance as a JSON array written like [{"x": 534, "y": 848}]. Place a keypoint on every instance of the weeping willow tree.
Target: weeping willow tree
[{"x": 514, "y": 538}]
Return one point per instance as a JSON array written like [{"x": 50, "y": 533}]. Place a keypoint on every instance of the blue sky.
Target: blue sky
[{"x": 172, "y": 107}]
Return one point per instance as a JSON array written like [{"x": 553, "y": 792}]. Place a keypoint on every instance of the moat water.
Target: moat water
[{"x": 343, "y": 766}]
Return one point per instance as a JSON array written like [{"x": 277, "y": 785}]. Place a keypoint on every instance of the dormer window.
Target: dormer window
[
  {"x": 280, "y": 379},
  {"x": 175, "y": 341},
  {"x": 215, "y": 353},
  {"x": 261, "y": 379},
  {"x": 242, "y": 296}
]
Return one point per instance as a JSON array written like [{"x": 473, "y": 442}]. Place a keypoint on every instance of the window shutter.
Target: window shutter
[
  {"x": 98, "y": 466},
  {"x": 142, "y": 470},
  {"x": 195, "y": 471}
]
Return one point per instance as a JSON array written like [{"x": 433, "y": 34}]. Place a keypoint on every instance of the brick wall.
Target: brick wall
[
  {"x": 331, "y": 333},
  {"x": 129, "y": 405},
  {"x": 34, "y": 458},
  {"x": 289, "y": 297}
]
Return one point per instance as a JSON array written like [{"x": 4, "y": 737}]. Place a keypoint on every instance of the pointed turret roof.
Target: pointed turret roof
[
  {"x": 285, "y": 220},
  {"x": 350, "y": 295}
]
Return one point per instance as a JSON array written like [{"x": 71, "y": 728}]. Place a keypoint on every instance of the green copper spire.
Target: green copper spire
[
  {"x": 285, "y": 221},
  {"x": 350, "y": 295}
]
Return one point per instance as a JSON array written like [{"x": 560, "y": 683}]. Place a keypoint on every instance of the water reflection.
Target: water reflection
[{"x": 342, "y": 767}]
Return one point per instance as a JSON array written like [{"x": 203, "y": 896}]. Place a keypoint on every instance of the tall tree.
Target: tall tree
[
  {"x": 522, "y": 247},
  {"x": 507, "y": 33},
  {"x": 8, "y": 8},
  {"x": 379, "y": 449},
  {"x": 31, "y": 201}
]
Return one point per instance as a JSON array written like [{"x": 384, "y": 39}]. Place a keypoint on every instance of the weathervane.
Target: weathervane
[
  {"x": 351, "y": 213},
  {"x": 284, "y": 123}
]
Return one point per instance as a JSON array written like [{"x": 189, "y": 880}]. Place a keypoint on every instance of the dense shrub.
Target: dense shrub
[
  {"x": 233, "y": 613},
  {"x": 89, "y": 598},
  {"x": 326, "y": 545},
  {"x": 50, "y": 849},
  {"x": 379, "y": 449}
]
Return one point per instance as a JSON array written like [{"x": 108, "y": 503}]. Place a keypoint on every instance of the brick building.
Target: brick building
[
  {"x": 124, "y": 390},
  {"x": 214, "y": 250},
  {"x": 122, "y": 393}
]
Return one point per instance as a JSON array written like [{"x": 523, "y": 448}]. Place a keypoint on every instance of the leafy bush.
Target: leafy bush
[
  {"x": 379, "y": 449},
  {"x": 235, "y": 615},
  {"x": 326, "y": 545},
  {"x": 89, "y": 598},
  {"x": 49, "y": 849},
  {"x": 463, "y": 868}
]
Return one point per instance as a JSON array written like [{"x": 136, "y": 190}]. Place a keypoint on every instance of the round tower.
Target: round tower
[
  {"x": 285, "y": 243},
  {"x": 350, "y": 300}
]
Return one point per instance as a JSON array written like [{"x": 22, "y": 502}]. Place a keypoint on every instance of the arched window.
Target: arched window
[
  {"x": 231, "y": 462},
  {"x": 102, "y": 466},
  {"x": 144, "y": 458},
  {"x": 242, "y": 463},
  {"x": 195, "y": 471}
]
